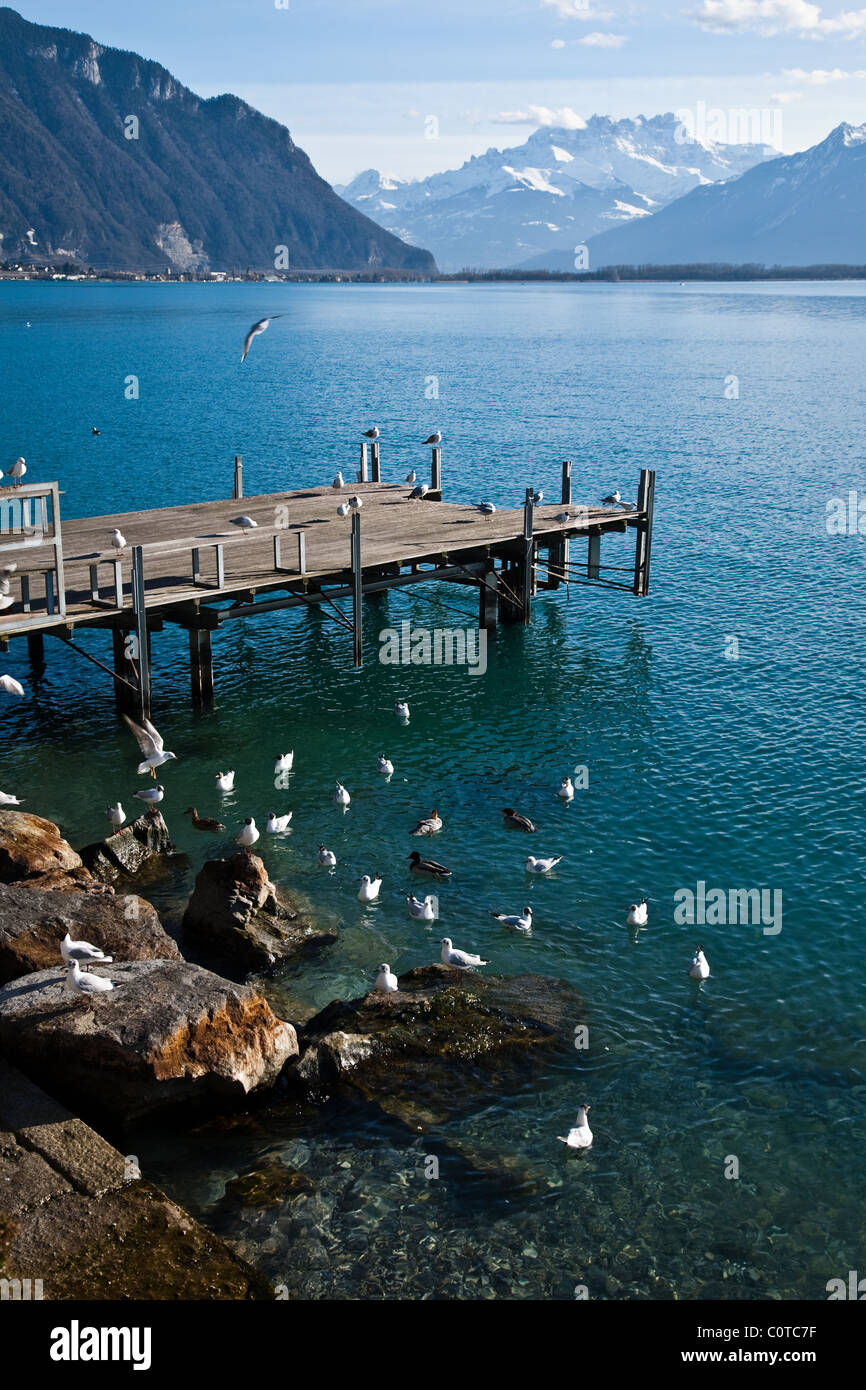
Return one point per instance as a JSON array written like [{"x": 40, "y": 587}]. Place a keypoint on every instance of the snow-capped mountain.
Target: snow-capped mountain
[
  {"x": 511, "y": 207},
  {"x": 801, "y": 209}
]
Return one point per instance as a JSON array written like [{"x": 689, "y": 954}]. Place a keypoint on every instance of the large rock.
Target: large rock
[
  {"x": 32, "y": 925},
  {"x": 30, "y": 846},
  {"x": 239, "y": 917},
  {"x": 426, "y": 1051},
  {"x": 170, "y": 1032},
  {"x": 127, "y": 851}
]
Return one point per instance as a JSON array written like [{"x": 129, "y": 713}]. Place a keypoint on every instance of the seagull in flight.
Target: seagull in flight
[
  {"x": 152, "y": 746},
  {"x": 254, "y": 332}
]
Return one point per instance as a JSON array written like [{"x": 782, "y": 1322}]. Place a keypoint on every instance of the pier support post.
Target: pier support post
[
  {"x": 357, "y": 589},
  {"x": 201, "y": 666},
  {"x": 239, "y": 477},
  {"x": 593, "y": 556},
  {"x": 527, "y": 568},
  {"x": 142, "y": 650},
  {"x": 376, "y": 472},
  {"x": 362, "y": 471},
  {"x": 36, "y": 649},
  {"x": 643, "y": 543},
  {"x": 436, "y": 471},
  {"x": 487, "y": 608},
  {"x": 558, "y": 551}
]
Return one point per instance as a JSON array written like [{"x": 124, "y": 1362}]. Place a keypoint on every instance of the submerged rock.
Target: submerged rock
[
  {"x": 32, "y": 926},
  {"x": 426, "y": 1051},
  {"x": 271, "y": 1185},
  {"x": 127, "y": 851},
  {"x": 239, "y": 917},
  {"x": 31, "y": 846},
  {"x": 169, "y": 1032}
]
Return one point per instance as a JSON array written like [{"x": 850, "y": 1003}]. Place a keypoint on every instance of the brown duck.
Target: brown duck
[{"x": 203, "y": 822}]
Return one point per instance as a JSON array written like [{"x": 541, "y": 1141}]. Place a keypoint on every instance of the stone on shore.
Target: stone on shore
[
  {"x": 426, "y": 1051},
  {"x": 31, "y": 846},
  {"x": 127, "y": 851},
  {"x": 33, "y": 924},
  {"x": 169, "y": 1033},
  {"x": 240, "y": 919}
]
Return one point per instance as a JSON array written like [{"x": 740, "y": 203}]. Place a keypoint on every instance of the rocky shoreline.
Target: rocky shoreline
[{"x": 177, "y": 1040}]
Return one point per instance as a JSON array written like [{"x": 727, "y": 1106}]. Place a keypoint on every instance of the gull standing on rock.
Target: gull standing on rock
[
  {"x": 386, "y": 981},
  {"x": 82, "y": 982},
  {"x": 521, "y": 922},
  {"x": 152, "y": 745},
  {"x": 249, "y": 835},
  {"x": 82, "y": 951},
  {"x": 254, "y": 332},
  {"x": 461, "y": 960},
  {"x": 369, "y": 889},
  {"x": 11, "y": 686},
  {"x": 580, "y": 1134},
  {"x": 226, "y": 780},
  {"x": 637, "y": 914},
  {"x": 116, "y": 815},
  {"x": 542, "y": 866},
  {"x": 152, "y": 796}
]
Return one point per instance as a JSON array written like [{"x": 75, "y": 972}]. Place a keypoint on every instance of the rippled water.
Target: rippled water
[{"x": 741, "y": 773}]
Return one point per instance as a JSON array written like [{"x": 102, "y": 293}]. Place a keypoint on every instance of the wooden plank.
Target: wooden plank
[{"x": 357, "y": 589}]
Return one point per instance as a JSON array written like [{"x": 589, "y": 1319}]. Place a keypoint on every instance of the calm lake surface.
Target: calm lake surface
[{"x": 741, "y": 771}]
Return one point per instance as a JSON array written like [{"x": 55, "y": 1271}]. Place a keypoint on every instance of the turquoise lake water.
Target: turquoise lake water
[{"x": 740, "y": 773}]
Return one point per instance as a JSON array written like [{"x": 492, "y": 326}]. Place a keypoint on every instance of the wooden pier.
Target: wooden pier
[{"x": 190, "y": 566}]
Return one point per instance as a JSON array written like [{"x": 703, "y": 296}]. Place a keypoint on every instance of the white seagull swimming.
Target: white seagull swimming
[
  {"x": 118, "y": 539},
  {"x": 434, "y": 438},
  {"x": 385, "y": 765},
  {"x": 277, "y": 825},
  {"x": 152, "y": 795},
  {"x": 386, "y": 980},
  {"x": 420, "y": 491},
  {"x": 637, "y": 914},
  {"x": 284, "y": 762},
  {"x": 152, "y": 745},
  {"x": 116, "y": 815},
  {"x": 327, "y": 857},
  {"x": 254, "y": 332},
  {"x": 11, "y": 686},
  {"x": 82, "y": 982},
  {"x": 700, "y": 966},
  {"x": 521, "y": 922},
  {"x": 369, "y": 889},
  {"x": 341, "y": 796},
  {"x": 226, "y": 781},
  {"x": 249, "y": 835},
  {"x": 461, "y": 960},
  {"x": 566, "y": 789},
  {"x": 401, "y": 709},
  {"x": 541, "y": 866},
  {"x": 580, "y": 1134},
  {"x": 82, "y": 951},
  {"x": 422, "y": 909}
]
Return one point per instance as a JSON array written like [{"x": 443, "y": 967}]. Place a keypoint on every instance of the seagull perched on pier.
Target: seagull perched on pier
[
  {"x": 637, "y": 914},
  {"x": 118, "y": 540},
  {"x": 82, "y": 951},
  {"x": 612, "y": 499},
  {"x": 435, "y": 438},
  {"x": 152, "y": 796},
  {"x": 246, "y": 523},
  {"x": 516, "y": 821},
  {"x": 566, "y": 789},
  {"x": 338, "y": 482},
  {"x": 486, "y": 508},
  {"x": 327, "y": 858},
  {"x": 343, "y": 509},
  {"x": 341, "y": 796},
  {"x": 284, "y": 762},
  {"x": 427, "y": 866},
  {"x": 461, "y": 960},
  {"x": 249, "y": 835},
  {"x": 430, "y": 825},
  {"x": 410, "y": 477},
  {"x": 385, "y": 765},
  {"x": 386, "y": 980},
  {"x": 537, "y": 497},
  {"x": 152, "y": 745},
  {"x": 521, "y": 921},
  {"x": 422, "y": 909},
  {"x": 420, "y": 491},
  {"x": 83, "y": 982},
  {"x": 371, "y": 434},
  {"x": 401, "y": 709},
  {"x": 564, "y": 516},
  {"x": 11, "y": 686},
  {"x": 580, "y": 1134},
  {"x": 541, "y": 866},
  {"x": 355, "y": 503},
  {"x": 6, "y": 799},
  {"x": 700, "y": 966},
  {"x": 17, "y": 471},
  {"x": 226, "y": 781},
  {"x": 115, "y": 815},
  {"x": 6, "y": 572},
  {"x": 278, "y": 825},
  {"x": 254, "y": 332},
  {"x": 369, "y": 889}
]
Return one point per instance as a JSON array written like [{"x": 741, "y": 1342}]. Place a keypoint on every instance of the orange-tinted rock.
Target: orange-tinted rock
[{"x": 30, "y": 846}]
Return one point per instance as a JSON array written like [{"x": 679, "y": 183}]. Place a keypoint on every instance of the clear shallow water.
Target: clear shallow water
[{"x": 742, "y": 773}]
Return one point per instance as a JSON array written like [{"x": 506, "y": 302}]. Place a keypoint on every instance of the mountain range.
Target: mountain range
[
  {"x": 106, "y": 159},
  {"x": 531, "y": 204}
]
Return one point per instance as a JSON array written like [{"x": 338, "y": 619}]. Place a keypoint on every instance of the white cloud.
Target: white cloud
[
  {"x": 563, "y": 118},
  {"x": 820, "y": 77},
  {"x": 603, "y": 40},
  {"x": 777, "y": 16},
  {"x": 558, "y": 43},
  {"x": 577, "y": 9},
  {"x": 786, "y": 98}
]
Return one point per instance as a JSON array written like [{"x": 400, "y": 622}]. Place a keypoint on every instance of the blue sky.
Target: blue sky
[{"x": 356, "y": 80}]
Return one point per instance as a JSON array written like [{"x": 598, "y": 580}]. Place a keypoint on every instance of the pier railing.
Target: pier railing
[{"x": 30, "y": 520}]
